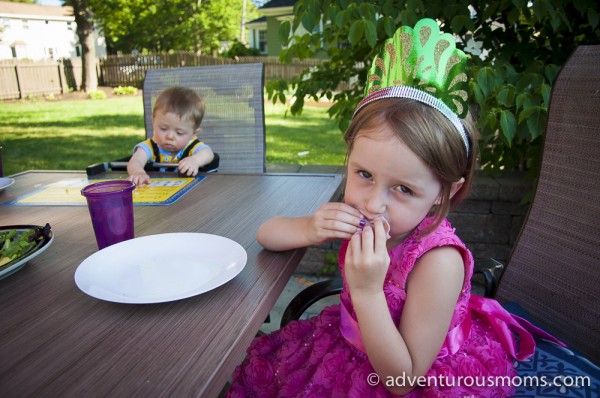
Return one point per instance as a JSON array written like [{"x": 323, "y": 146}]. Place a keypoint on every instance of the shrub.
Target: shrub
[
  {"x": 97, "y": 95},
  {"x": 129, "y": 90},
  {"x": 239, "y": 49}
]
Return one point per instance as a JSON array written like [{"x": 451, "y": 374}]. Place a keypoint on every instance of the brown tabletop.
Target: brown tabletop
[{"x": 56, "y": 341}]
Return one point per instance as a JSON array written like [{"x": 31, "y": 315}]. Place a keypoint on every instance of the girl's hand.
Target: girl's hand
[
  {"x": 330, "y": 221},
  {"x": 367, "y": 260},
  {"x": 333, "y": 220}
]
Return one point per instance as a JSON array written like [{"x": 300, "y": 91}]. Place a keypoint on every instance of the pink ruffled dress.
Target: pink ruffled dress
[{"x": 324, "y": 356}]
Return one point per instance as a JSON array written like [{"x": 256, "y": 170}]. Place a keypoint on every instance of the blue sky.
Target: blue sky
[
  {"x": 50, "y": 2},
  {"x": 59, "y": 3}
]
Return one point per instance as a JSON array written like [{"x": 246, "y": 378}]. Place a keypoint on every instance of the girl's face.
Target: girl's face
[
  {"x": 171, "y": 133},
  {"x": 386, "y": 179}
]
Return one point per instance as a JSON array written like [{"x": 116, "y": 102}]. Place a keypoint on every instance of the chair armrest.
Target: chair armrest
[
  {"x": 308, "y": 297},
  {"x": 212, "y": 166},
  {"x": 121, "y": 165},
  {"x": 97, "y": 168},
  {"x": 491, "y": 270},
  {"x": 116, "y": 165}
]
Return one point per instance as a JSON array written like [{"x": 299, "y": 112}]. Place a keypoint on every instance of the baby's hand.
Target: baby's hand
[
  {"x": 139, "y": 178},
  {"x": 189, "y": 166},
  {"x": 333, "y": 220}
]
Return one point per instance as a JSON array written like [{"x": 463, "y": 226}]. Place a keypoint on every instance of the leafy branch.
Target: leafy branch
[{"x": 516, "y": 50}]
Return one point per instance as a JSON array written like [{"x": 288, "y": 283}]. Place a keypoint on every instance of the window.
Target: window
[
  {"x": 6, "y": 22},
  {"x": 25, "y": 24},
  {"x": 262, "y": 41},
  {"x": 69, "y": 26}
]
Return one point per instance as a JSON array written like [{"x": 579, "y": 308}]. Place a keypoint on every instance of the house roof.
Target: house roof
[
  {"x": 258, "y": 24},
  {"x": 278, "y": 4},
  {"x": 258, "y": 20},
  {"x": 34, "y": 10}
]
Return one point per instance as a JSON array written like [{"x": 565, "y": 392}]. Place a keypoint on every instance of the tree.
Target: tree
[
  {"x": 163, "y": 25},
  {"x": 516, "y": 49},
  {"x": 85, "y": 31}
]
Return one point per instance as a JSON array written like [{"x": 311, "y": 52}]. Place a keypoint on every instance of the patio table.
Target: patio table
[{"x": 56, "y": 341}]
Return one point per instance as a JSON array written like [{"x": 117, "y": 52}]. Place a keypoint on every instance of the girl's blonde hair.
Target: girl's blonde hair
[
  {"x": 431, "y": 136},
  {"x": 183, "y": 102}
]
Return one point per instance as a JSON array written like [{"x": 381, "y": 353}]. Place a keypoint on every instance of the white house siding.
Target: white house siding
[{"x": 31, "y": 31}]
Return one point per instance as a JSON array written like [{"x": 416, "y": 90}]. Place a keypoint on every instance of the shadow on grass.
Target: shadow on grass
[
  {"x": 74, "y": 135},
  {"x": 97, "y": 122},
  {"x": 74, "y": 152}
]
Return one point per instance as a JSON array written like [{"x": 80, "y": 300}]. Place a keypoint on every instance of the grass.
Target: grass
[
  {"x": 70, "y": 135},
  {"x": 311, "y": 138}
]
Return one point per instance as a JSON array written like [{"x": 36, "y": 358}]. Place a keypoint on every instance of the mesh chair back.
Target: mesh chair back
[
  {"x": 233, "y": 124},
  {"x": 554, "y": 269}
]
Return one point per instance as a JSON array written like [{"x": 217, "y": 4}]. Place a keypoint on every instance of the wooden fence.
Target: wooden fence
[
  {"x": 21, "y": 79},
  {"x": 129, "y": 70}
]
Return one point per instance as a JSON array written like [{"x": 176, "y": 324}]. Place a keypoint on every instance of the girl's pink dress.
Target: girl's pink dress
[{"x": 324, "y": 357}]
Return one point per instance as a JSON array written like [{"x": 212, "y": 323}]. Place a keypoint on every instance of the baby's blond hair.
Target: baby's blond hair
[{"x": 183, "y": 102}]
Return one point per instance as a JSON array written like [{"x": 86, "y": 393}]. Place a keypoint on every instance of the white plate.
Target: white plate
[
  {"x": 160, "y": 268},
  {"x": 19, "y": 262},
  {"x": 6, "y": 182}
]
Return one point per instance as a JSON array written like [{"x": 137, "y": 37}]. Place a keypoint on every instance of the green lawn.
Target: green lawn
[
  {"x": 70, "y": 135},
  {"x": 311, "y": 138}
]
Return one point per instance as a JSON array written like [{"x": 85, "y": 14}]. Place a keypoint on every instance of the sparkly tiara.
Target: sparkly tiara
[{"x": 430, "y": 70}]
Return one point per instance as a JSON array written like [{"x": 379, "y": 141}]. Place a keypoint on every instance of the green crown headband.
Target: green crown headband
[{"x": 422, "y": 64}]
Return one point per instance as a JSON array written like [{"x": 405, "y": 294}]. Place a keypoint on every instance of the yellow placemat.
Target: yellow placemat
[{"x": 160, "y": 192}]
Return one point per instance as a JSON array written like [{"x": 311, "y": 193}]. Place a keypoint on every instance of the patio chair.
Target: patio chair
[
  {"x": 233, "y": 124},
  {"x": 553, "y": 274}
]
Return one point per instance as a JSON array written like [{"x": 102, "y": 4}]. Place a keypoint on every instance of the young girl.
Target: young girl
[{"x": 407, "y": 324}]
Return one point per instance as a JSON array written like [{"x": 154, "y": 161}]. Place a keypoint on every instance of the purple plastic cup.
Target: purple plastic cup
[{"x": 111, "y": 208}]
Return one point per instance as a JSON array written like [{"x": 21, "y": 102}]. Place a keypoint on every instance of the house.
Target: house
[
  {"x": 264, "y": 32},
  {"x": 257, "y": 34},
  {"x": 36, "y": 32}
]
